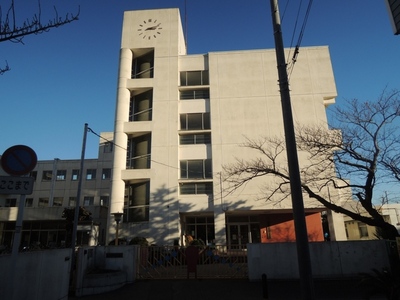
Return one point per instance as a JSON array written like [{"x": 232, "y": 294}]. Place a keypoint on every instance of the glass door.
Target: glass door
[{"x": 238, "y": 236}]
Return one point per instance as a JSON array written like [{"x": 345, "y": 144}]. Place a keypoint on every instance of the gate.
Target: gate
[{"x": 191, "y": 262}]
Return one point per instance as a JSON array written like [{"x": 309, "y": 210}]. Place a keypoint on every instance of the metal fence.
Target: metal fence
[{"x": 192, "y": 262}]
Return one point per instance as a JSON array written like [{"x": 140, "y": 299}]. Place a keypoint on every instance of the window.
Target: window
[
  {"x": 140, "y": 107},
  {"x": 88, "y": 201},
  {"x": 90, "y": 174},
  {"x": 201, "y": 228},
  {"x": 47, "y": 175},
  {"x": 196, "y": 188},
  {"x": 58, "y": 201},
  {"x": 75, "y": 175},
  {"x": 43, "y": 202},
  {"x": 11, "y": 202},
  {"x": 104, "y": 200},
  {"x": 192, "y": 139},
  {"x": 362, "y": 228},
  {"x": 196, "y": 121},
  {"x": 194, "y": 78},
  {"x": 138, "y": 152},
  {"x": 72, "y": 201},
  {"x": 61, "y": 175},
  {"x": 28, "y": 202},
  {"x": 199, "y": 169},
  {"x": 137, "y": 198},
  {"x": 143, "y": 65},
  {"x": 107, "y": 147},
  {"x": 33, "y": 174},
  {"x": 106, "y": 174},
  {"x": 194, "y": 94}
]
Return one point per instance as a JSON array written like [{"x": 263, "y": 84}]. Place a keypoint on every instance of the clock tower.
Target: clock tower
[{"x": 152, "y": 42}]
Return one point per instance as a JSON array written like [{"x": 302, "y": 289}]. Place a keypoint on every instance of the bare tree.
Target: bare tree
[
  {"x": 355, "y": 156},
  {"x": 12, "y": 30}
]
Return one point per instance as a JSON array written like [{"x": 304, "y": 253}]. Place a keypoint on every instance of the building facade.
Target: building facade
[
  {"x": 180, "y": 118},
  {"x": 55, "y": 189},
  {"x": 356, "y": 230}
]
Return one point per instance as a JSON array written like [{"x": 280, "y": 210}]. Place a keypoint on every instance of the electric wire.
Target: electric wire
[
  {"x": 300, "y": 38},
  {"x": 141, "y": 156},
  {"x": 294, "y": 30},
  {"x": 217, "y": 182}
]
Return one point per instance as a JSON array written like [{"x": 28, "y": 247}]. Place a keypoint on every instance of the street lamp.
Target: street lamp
[{"x": 117, "y": 217}]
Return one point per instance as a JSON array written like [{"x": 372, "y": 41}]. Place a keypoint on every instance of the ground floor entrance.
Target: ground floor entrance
[{"x": 241, "y": 228}]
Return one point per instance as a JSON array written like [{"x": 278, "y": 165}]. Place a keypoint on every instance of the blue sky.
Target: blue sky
[{"x": 64, "y": 78}]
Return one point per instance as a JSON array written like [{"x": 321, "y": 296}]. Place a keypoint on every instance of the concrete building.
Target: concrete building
[
  {"x": 180, "y": 118},
  {"x": 55, "y": 188},
  {"x": 356, "y": 230}
]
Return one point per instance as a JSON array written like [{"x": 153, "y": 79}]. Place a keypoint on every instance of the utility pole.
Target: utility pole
[
  {"x": 77, "y": 202},
  {"x": 303, "y": 252}
]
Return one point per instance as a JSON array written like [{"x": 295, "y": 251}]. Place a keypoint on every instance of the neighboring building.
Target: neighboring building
[
  {"x": 180, "y": 118},
  {"x": 393, "y": 8},
  {"x": 55, "y": 188},
  {"x": 356, "y": 230}
]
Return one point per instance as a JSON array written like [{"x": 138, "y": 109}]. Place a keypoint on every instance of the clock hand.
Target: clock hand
[{"x": 153, "y": 27}]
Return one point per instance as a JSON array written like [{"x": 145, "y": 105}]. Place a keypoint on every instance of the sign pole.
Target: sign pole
[
  {"x": 18, "y": 160},
  {"x": 18, "y": 227}
]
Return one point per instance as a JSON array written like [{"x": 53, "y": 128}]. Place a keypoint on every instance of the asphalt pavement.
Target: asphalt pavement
[{"x": 224, "y": 289}]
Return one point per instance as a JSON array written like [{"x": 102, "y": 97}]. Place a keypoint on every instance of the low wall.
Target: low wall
[
  {"x": 36, "y": 275},
  {"x": 104, "y": 268},
  {"x": 328, "y": 259}
]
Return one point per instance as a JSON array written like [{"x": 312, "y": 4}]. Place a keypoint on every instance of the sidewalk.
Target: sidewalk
[{"x": 231, "y": 290}]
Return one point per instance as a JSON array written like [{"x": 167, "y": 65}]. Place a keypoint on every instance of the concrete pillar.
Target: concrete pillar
[
  {"x": 336, "y": 226},
  {"x": 120, "y": 138},
  {"x": 219, "y": 226}
]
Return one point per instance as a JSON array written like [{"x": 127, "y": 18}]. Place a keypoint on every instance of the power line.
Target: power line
[{"x": 300, "y": 38}]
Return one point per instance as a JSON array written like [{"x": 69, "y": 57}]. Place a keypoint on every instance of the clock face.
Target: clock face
[{"x": 149, "y": 29}]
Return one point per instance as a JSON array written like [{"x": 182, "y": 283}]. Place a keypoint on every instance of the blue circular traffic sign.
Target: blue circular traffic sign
[{"x": 18, "y": 160}]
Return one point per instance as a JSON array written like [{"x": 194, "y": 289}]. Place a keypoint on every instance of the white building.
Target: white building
[
  {"x": 56, "y": 188},
  {"x": 180, "y": 118}
]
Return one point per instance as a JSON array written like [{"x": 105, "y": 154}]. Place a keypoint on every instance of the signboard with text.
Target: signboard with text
[{"x": 16, "y": 185}]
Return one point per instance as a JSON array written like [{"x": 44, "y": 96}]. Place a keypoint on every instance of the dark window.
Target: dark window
[
  {"x": 195, "y": 188},
  {"x": 140, "y": 108},
  {"x": 28, "y": 202},
  {"x": 47, "y": 175},
  {"x": 143, "y": 65},
  {"x": 107, "y": 147},
  {"x": 11, "y": 202},
  {"x": 88, "y": 201},
  {"x": 104, "y": 200},
  {"x": 137, "y": 202},
  {"x": 61, "y": 175},
  {"x": 72, "y": 201},
  {"x": 138, "y": 153},
  {"x": 43, "y": 202},
  {"x": 106, "y": 174},
  {"x": 33, "y": 174},
  {"x": 75, "y": 175},
  {"x": 58, "y": 201},
  {"x": 194, "y": 78},
  {"x": 196, "y": 169},
  {"x": 191, "y": 139},
  {"x": 90, "y": 174},
  {"x": 195, "y": 121},
  {"x": 194, "y": 94}
]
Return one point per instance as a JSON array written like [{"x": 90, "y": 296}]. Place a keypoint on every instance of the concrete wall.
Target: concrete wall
[
  {"x": 36, "y": 275},
  {"x": 103, "y": 269},
  {"x": 328, "y": 259}
]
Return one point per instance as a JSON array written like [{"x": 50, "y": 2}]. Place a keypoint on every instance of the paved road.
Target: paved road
[{"x": 193, "y": 289}]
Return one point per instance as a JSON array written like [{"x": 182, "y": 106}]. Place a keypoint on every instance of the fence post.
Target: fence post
[{"x": 264, "y": 286}]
